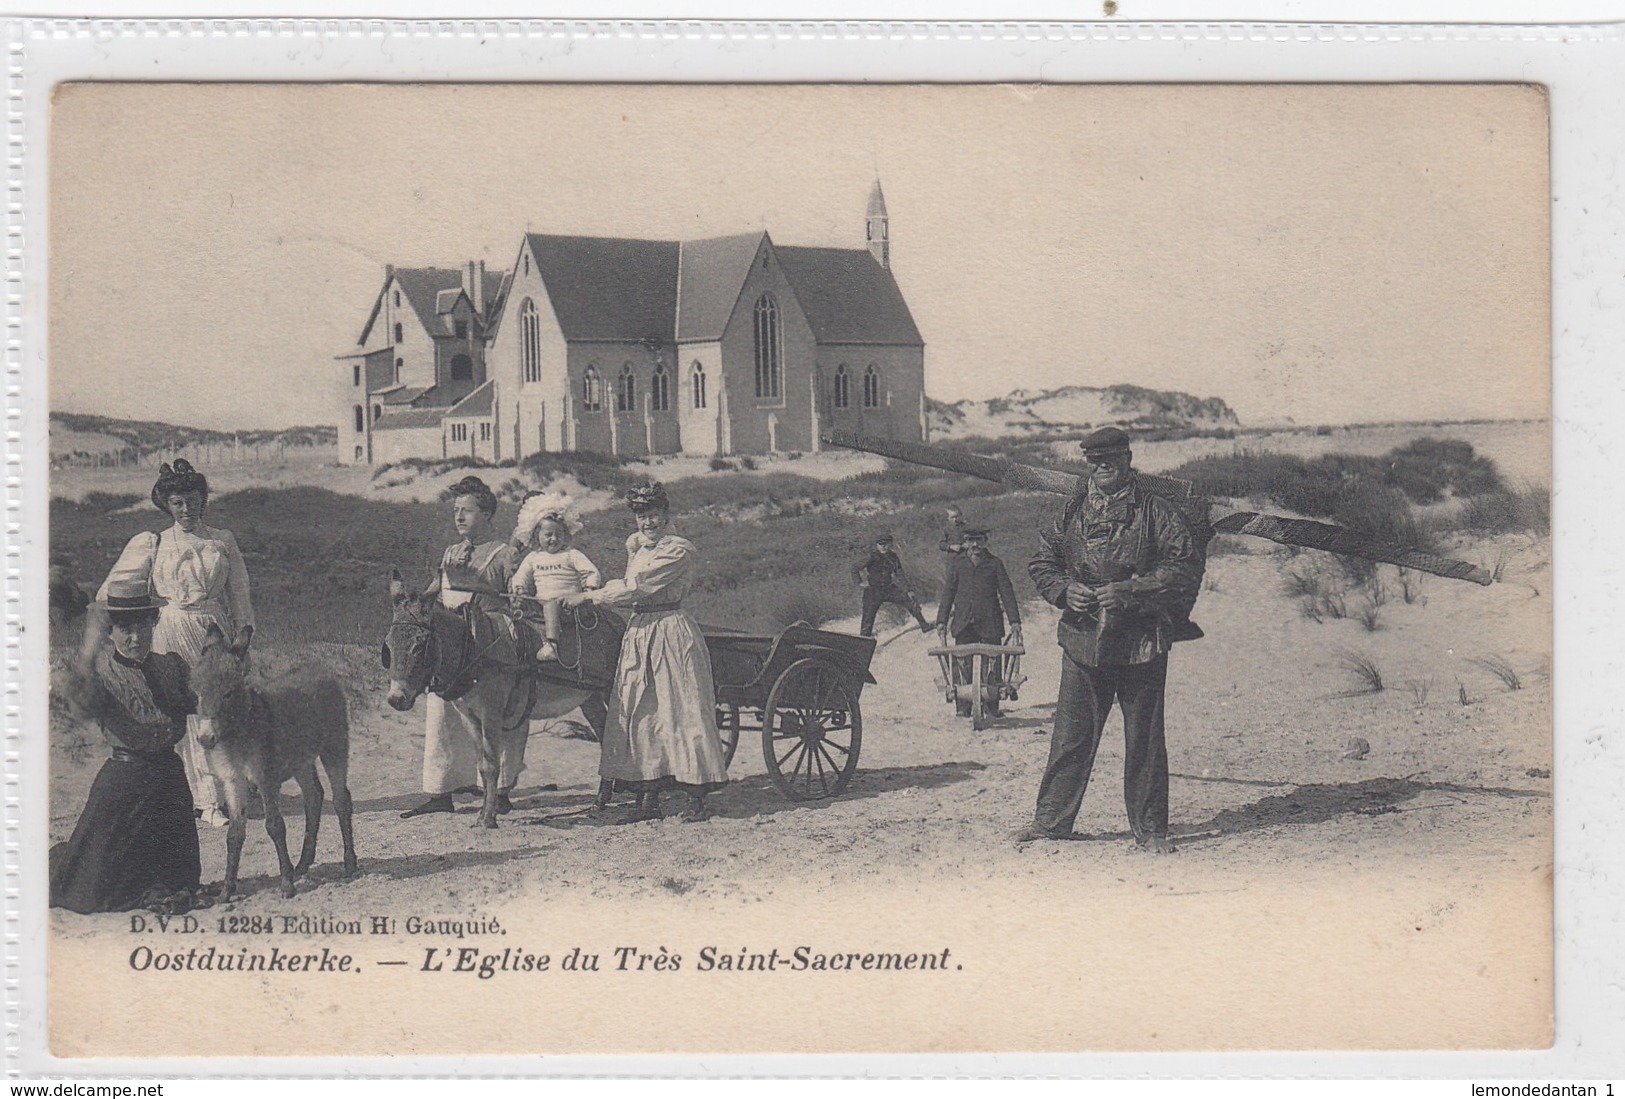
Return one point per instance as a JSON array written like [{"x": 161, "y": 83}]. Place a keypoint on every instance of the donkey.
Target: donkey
[
  {"x": 263, "y": 736},
  {"x": 428, "y": 648}
]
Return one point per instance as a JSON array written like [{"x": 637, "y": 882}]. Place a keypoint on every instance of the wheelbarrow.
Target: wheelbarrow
[{"x": 989, "y": 683}]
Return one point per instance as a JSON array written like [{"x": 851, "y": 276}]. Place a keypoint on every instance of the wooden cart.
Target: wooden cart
[
  {"x": 800, "y": 690},
  {"x": 979, "y": 690}
]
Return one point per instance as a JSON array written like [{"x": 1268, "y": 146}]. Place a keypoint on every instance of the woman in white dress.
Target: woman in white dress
[
  {"x": 199, "y": 572},
  {"x": 662, "y": 725}
]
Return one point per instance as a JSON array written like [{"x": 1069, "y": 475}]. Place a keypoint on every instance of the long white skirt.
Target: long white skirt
[
  {"x": 662, "y": 721},
  {"x": 181, "y": 630}
]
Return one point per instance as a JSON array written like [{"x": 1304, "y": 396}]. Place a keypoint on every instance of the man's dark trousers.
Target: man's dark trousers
[
  {"x": 1084, "y": 702},
  {"x": 873, "y": 597}
]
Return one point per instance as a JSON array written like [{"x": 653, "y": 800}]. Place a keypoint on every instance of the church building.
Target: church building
[{"x": 727, "y": 345}]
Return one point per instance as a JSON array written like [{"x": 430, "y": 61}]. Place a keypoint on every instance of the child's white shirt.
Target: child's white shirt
[{"x": 554, "y": 575}]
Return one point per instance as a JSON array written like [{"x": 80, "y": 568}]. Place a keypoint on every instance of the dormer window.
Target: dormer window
[{"x": 461, "y": 329}]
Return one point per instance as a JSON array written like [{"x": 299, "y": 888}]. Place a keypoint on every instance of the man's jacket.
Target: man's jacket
[
  {"x": 884, "y": 571},
  {"x": 977, "y": 594},
  {"x": 1137, "y": 542}
]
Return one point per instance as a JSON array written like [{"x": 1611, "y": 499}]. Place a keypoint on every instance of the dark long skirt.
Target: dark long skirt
[{"x": 136, "y": 836}]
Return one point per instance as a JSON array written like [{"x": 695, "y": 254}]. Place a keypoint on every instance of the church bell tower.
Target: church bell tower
[{"x": 875, "y": 228}]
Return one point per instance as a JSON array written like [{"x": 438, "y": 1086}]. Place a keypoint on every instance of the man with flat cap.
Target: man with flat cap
[
  {"x": 976, "y": 598},
  {"x": 1124, "y": 568},
  {"x": 880, "y": 575}
]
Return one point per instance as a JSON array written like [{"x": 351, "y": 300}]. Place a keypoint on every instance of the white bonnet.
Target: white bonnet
[{"x": 545, "y": 505}]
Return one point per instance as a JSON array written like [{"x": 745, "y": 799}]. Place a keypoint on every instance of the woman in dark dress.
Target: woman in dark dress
[{"x": 136, "y": 840}]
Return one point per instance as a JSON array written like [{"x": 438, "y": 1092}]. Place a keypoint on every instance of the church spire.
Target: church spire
[{"x": 875, "y": 229}]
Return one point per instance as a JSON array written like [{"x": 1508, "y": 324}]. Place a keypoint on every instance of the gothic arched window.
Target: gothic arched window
[
  {"x": 843, "y": 392},
  {"x": 659, "y": 392},
  {"x": 530, "y": 341},
  {"x": 699, "y": 384},
  {"x": 871, "y": 387},
  {"x": 360, "y": 418},
  {"x": 592, "y": 391},
  {"x": 769, "y": 350},
  {"x": 377, "y": 411},
  {"x": 399, "y": 333},
  {"x": 626, "y": 390}
]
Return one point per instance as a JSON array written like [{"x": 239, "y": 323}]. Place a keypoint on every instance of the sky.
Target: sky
[{"x": 1320, "y": 254}]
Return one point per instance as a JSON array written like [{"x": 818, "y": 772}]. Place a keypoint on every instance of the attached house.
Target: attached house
[
  {"x": 421, "y": 353},
  {"x": 727, "y": 345}
]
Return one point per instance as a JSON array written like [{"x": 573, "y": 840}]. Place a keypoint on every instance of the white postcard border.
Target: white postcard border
[{"x": 1579, "y": 64}]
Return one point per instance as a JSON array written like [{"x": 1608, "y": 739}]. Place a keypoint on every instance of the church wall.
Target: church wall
[
  {"x": 698, "y": 426},
  {"x": 530, "y": 414},
  {"x": 749, "y": 422},
  {"x": 902, "y": 379},
  {"x": 627, "y": 434}
]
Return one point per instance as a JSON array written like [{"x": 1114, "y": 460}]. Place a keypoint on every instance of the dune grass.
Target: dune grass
[{"x": 319, "y": 561}]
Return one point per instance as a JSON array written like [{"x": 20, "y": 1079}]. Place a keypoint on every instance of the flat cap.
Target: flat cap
[
  {"x": 975, "y": 532},
  {"x": 1105, "y": 439},
  {"x": 882, "y": 536}
]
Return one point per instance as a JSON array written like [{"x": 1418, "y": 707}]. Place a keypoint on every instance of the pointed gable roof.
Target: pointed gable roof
[
  {"x": 711, "y": 275},
  {"x": 848, "y": 297},
  {"x": 432, "y": 291},
  {"x": 607, "y": 288}
]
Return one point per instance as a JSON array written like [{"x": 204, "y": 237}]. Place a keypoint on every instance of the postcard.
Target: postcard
[{"x": 735, "y": 568}]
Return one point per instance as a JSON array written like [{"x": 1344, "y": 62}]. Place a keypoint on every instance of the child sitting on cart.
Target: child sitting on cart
[{"x": 552, "y": 568}]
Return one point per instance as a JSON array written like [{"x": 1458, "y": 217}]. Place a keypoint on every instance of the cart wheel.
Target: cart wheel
[
  {"x": 811, "y": 731},
  {"x": 728, "y": 729}
]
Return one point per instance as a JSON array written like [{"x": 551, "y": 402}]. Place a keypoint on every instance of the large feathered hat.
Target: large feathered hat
[
  {"x": 178, "y": 480},
  {"x": 649, "y": 496},
  {"x": 557, "y": 506}
]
